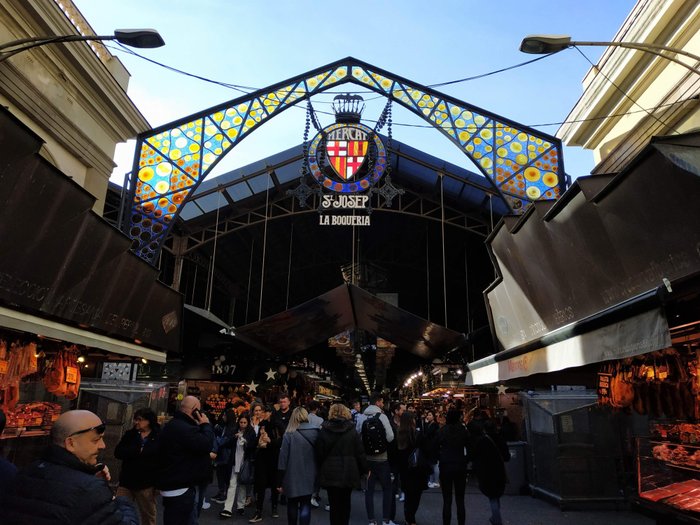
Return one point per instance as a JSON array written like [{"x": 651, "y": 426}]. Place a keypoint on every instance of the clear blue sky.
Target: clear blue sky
[{"x": 256, "y": 44}]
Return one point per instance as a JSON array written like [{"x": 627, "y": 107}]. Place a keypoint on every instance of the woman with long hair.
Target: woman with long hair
[
  {"x": 489, "y": 457},
  {"x": 342, "y": 462},
  {"x": 223, "y": 462},
  {"x": 414, "y": 461},
  {"x": 452, "y": 441},
  {"x": 242, "y": 445},
  {"x": 297, "y": 466},
  {"x": 266, "y": 457},
  {"x": 139, "y": 451}
]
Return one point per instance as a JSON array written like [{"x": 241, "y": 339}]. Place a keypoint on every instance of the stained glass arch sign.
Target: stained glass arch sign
[{"x": 523, "y": 164}]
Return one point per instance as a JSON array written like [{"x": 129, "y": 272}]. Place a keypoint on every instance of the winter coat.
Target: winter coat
[
  {"x": 489, "y": 455},
  {"x": 340, "y": 455},
  {"x": 224, "y": 444},
  {"x": 184, "y": 453},
  {"x": 266, "y": 458},
  {"x": 452, "y": 443},
  {"x": 297, "y": 461},
  {"x": 60, "y": 489},
  {"x": 140, "y": 460},
  {"x": 414, "y": 478}
]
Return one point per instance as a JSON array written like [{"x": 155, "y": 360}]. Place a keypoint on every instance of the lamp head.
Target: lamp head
[
  {"x": 144, "y": 38},
  {"x": 544, "y": 44}
]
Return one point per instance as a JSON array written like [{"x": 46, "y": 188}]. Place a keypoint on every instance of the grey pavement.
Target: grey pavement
[{"x": 516, "y": 510}]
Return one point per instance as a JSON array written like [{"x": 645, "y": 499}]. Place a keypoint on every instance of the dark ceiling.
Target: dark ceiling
[{"x": 428, "y": 247}]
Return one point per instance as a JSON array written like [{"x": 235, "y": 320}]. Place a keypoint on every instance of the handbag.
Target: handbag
[
  {"x": 414, "y": 459},
  {"x": 246, "y": 475}
]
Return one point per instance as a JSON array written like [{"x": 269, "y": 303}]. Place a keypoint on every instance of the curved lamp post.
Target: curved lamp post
[
  {"x": 544, "y": 44},
  {"x": 143, "y": 38}
]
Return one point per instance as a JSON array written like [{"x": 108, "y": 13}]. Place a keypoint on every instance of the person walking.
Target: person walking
[
  {"x": 186, "y": 443},
  {"x": 224, "y": 444},
  {"x": 139, "y": 450},
  {"x": 375, "y": 439},
  {"x": 414, "y": 462},
  {"x": 452, "y": 444},
  {"x": 313, "y": 408},
  {"x": 241, "y": 449},
  {"x": 430, "y": 429},
  {"x": 297, "y": 466},
  {"x": 266, "y": 459},
  {"x": 341, "y": 460},
  {"x": 489, "y": 457},
  {"x": 67, "y": 485}
]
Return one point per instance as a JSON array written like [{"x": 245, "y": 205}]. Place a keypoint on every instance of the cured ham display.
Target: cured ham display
[
  {"x": 62, "y": 376},
  {"x": 664, "y": 383},
  {"x": 18, "y": 362}
]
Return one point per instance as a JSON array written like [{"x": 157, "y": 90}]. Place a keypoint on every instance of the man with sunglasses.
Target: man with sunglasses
[{"x": 68, "y": 485}]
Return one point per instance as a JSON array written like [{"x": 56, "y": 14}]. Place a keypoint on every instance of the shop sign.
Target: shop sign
[
  {"x": 71, "y": 375},
  {"x": 604, "y": 384},
  {"x": 347, "y": 159}
]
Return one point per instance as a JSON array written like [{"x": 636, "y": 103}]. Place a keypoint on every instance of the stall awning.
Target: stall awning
[
  {"x": 343, "y": 308},
  {"x": 70, "y": 334},
  {"x": 636, "y": 335},
  {"x": 63, "y": 263},
  {"x": 607, "y": 241}
]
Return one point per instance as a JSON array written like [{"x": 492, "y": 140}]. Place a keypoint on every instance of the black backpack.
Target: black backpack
[{"x": 374, "y": 435}]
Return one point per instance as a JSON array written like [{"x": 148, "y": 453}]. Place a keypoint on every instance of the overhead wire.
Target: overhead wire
[
  {"x": 250, "y": 89},
  {"x": 626, "y": 95}
]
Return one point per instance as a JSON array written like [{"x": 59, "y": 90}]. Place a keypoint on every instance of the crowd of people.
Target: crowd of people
[{"x": 290, "y": 453}]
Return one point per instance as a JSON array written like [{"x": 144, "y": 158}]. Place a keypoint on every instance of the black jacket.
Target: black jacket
[
  {"x": 340, "y": 455},
  {"x": 139, "y": 465},
  {"x": 184, "y": 453},
  {"x": 452, "y": 441},
  {"x": 489, "y": 455},
  {"x": 59, "y": 489}
]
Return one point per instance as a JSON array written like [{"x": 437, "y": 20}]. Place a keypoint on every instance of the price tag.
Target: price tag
[
  {"x": 71, "y": 374},
  {"x": 3, "y": 367}
]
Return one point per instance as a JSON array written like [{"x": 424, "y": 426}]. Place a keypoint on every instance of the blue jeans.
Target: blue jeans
[
  {"x": 379, "y": 472},
  {"x": 299, "y": 508}
]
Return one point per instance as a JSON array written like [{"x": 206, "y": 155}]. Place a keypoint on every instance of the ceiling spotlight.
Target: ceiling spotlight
[
  {"x": 144, "y": 360},
  {"x": 81, "y": 359}
]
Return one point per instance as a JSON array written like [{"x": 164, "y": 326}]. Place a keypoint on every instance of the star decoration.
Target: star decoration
[
  {"x": 501, "y": 390},
  {"x": 270, "y": 374},
  {"x": 253, "y": 387}
]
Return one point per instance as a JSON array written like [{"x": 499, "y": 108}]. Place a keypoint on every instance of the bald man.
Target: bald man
[
  {"x": 185, "y": 444},
  {"x": 68, "y": 485}
]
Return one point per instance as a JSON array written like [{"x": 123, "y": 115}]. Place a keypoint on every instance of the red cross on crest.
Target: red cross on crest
[{"x": 346, "y": 156}]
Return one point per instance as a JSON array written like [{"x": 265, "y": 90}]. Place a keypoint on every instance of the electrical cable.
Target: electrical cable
[
  {"x": 594, "y": 66},
  {"x": 249, "y": 89}
]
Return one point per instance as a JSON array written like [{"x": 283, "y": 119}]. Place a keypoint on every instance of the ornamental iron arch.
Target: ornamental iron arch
[{"x": 171, "y": 161}]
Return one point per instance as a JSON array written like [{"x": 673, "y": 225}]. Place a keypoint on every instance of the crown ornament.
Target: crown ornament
[{"x": 348, "y": 108}]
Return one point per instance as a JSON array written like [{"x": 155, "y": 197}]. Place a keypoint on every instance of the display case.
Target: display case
[{"x": 668, "y": 476}]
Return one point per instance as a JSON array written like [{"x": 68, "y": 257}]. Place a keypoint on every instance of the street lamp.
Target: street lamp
[
  {"x": 544, "y": 44},
  {"x": 143, "y": 38}
]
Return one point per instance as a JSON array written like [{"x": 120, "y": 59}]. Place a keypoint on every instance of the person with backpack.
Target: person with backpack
[
  {"x": 376, "y": 435},
  {"x": 341, "y": 460}
]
